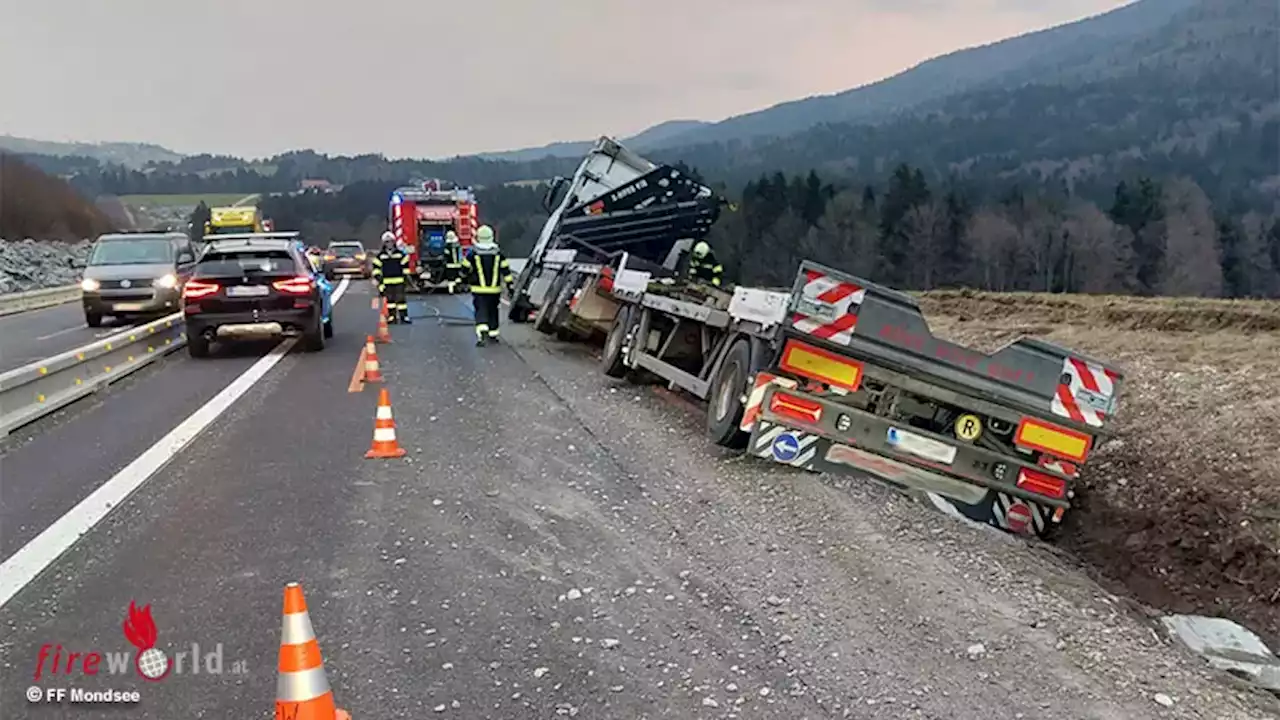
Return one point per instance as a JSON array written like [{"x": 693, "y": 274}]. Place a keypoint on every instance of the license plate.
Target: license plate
[
  {"x": 247, "y": 291},
  {"x": 127, "y": 307},
  {"x": 921, "y": 446}
]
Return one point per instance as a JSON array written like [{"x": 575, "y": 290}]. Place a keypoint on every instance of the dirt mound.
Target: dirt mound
[
  {"x": 42, "y": 207},
  {"x": 1182, "y": 507},
  {"x": 1132, "y": 313}
]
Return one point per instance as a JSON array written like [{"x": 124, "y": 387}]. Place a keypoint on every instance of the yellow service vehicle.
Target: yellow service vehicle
[{"x": 234, "y": 221}]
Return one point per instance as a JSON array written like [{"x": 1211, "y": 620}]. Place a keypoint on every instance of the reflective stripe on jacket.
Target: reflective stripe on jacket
[
  {"x": 488, "y": 271},
  {"x": 390, "y": 267}
]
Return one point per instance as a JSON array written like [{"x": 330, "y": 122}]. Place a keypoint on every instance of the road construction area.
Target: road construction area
[{"x": 553, "y": 543}]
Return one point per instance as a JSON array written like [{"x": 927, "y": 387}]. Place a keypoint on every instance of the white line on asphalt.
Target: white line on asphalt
[
  {"x": 44, "y": 549},
  {"x": 63, "y": 331}
]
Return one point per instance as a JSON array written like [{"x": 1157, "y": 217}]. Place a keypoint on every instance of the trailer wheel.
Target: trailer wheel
[
  {"x": 614, "y": 359},
  {"x": 548, "y": 311},
  {"x": 724, "y": 413}
]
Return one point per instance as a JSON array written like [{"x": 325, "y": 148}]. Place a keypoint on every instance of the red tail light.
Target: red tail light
[
  {"x": 1042, "y": 484},
  {"x": 294, "y": 286},
  {"x": 806, "y": 411},
  {"x": 196, "y": 289}
]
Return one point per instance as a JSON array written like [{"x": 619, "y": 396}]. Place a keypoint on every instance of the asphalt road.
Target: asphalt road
[
  {"x": 38, "y": 334},
  {"x": 554, "y": 544}
]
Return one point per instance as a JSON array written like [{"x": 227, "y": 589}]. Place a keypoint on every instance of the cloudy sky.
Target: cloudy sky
[{"x": 433, "y": 78}]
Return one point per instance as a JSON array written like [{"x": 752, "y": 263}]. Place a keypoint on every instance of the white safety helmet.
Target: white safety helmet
[
  {"x": 388, "y": 236},
  {"x": 701, "y": 249},
  {"x": 451, "y": 237},
  {"x": 484, "y": 236}
]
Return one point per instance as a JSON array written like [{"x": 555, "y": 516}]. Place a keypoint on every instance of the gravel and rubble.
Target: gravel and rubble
[{"x": 35, "y": 264}]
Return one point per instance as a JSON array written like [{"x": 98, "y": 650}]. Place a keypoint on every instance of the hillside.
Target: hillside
[
  {"x": 654, "y": 137},
  {"x": 42, "y": 207},
  {"x": 133, "y": 155}
]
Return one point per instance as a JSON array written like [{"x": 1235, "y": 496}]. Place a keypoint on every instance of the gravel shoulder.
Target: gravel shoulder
[
  {"x": 1182, "y": 509},
  {"x": 841, "y": 598}
]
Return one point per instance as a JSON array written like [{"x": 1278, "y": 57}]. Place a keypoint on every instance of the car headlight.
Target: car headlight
[
  {"x": 167, "y": 281},
  {"x": 89, "y": 285}
]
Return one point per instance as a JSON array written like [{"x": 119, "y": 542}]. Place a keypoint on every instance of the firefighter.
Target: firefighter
[
  {"x": 704, "y": 266},
  {"x": 390, "y": 268},
  {"x": 488, "y": 272},
  {"x": 453, "y": 268}
]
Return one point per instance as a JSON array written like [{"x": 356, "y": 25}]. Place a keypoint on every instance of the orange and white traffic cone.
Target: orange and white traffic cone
[
  {"x": 384, "y": 431},
  {"x": 384, "y": 332},
  {"x": 372, "y": 371},
  {"x": 302, "y": 690}
]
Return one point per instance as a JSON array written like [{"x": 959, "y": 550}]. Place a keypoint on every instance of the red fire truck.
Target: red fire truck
[{"x": 420, "y": 216}]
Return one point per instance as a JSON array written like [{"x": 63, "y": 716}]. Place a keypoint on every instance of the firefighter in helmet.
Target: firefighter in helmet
[
  {"x": 453, "y": 260},
  {"x": 703, "y": 265},
  {"x": 390, "y": 270},
  {"x": 488, "y": 272}
]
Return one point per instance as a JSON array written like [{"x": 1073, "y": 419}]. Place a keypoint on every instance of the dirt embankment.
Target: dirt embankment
[
  {"x": 1182, "y": 507},
  {"x": 42, "y": 207}
]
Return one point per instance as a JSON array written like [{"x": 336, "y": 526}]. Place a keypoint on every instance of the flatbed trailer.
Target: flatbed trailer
[{"x": 840, "y": 375}]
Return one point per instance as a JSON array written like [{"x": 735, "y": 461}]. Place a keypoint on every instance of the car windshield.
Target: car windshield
[
  {"x": 246, "y": 262},
  {"x": 346, "y": 250},
  {"x": 131, "y": 251}
]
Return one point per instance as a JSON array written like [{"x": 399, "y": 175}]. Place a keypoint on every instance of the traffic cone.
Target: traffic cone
[
  {"x": 372, "y": 373},
  {"x": 302, "y": 690},
  {"x": 384, "y": 332},
  {"x": 384, "y": 431}
]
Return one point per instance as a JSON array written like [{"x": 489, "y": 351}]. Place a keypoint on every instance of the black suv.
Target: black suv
[{"x": 253, "y": 288}]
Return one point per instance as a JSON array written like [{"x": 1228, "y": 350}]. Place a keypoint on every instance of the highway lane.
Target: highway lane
[
  {"x": 38, "y": 334},
  {"x": 556, "y": 544}
]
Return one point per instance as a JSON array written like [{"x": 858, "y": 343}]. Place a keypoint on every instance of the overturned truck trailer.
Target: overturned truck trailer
[{"x": 839, "y": 374}]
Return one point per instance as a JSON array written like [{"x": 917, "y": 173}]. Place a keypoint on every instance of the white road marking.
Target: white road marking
[
  {"x": 63, "y": 331},
  {"x": 44, "y": 549}
]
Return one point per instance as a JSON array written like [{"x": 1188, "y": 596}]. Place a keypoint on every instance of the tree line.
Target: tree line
[{"x": 1152, "y": 238}]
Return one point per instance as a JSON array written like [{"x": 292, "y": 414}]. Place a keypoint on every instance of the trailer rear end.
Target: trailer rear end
[{"x": 860, "y": 385}]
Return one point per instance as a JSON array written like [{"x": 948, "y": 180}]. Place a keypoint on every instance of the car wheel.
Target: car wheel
[
  {"x": 197, "y": 346},
  {"x": 328, "y": 328},
  {"x": 93, "y": 319},
  {"x": 313, "y": 340}
]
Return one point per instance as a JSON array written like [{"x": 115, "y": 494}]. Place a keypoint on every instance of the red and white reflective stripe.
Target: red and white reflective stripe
[
  {"x": 755, "y": 399},
  {"x": 845, "y": 296},
  {"x": 1082, "y": 376},
  {"x": 1062, "y": 466}
]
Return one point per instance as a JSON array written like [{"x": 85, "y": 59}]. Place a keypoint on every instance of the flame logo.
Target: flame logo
[{"x": 140, "y": 631}]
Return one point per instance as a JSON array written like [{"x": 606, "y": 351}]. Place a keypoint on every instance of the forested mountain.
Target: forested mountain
[
  {"x": 39, "y": 206},
  {"x": 134, "y": 155}
]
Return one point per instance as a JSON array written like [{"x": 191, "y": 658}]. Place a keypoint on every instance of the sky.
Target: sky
[{"x": 434, "y": 79}]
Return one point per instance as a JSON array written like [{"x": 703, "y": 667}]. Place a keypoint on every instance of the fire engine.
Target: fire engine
[{"x": 420, "y": 216}]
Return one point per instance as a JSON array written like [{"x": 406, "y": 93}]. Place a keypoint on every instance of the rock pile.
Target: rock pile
[{"x": 34, "y": 264}]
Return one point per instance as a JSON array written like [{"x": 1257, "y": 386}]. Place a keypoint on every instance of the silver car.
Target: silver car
[{"x": 135, "y": 275}]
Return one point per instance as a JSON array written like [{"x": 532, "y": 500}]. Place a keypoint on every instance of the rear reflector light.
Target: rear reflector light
[
  {"x": 796, "y": 408},
  {"x": 1047, "y": 437},
  {"x": 294, "y": 286},
  {"x": 821, "y": 365},
  {"x": 1041, "y": 484},
  {"x": 198, "y": 288}
]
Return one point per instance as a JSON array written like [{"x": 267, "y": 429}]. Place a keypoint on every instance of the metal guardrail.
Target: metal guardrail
[
  {"x": 30, "y": 392},
  {"x": 11, "y": 303}
]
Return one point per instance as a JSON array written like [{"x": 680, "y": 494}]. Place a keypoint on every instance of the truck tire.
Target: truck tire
[
  {"x": 614, "y": 359},
  {"x": 724, "y": 410},
  {"x": 547, "y": 313}
]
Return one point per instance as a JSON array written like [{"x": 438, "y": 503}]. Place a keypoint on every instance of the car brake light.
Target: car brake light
[
  {"x": 198, "y": 288},
  {"x": 1042, "y": 484},
  {"x": 806, "y": 411},
  {"x": 294, "y": 286},
  {"x": 330, "y": 257}
]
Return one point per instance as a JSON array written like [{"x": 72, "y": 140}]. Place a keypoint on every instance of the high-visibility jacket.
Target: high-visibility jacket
[
  {"x": 390, "y": 267},
  {"x": 707, "y": 268},
  {"x": 453, "y": 258},
  {"x": 488, "y": 271}
]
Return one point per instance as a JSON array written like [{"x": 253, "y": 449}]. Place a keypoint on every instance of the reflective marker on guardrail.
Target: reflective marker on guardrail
[
  {"x": 11, "y": 303},
  {"x": 39, "y": 388}
]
